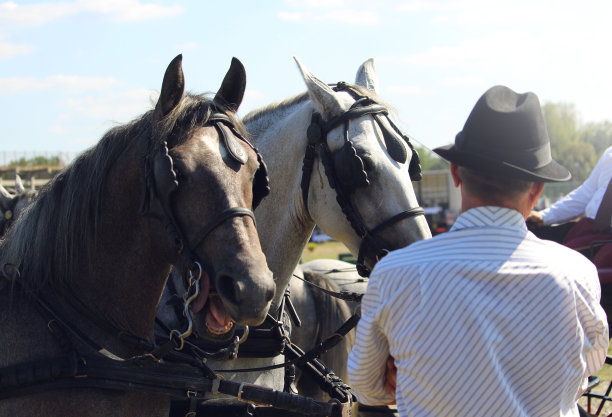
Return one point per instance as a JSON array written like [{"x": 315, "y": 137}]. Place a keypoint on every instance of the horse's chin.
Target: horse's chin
[
  {"x": 203, "y": 331},
  {"x": 211, "y": 319}
]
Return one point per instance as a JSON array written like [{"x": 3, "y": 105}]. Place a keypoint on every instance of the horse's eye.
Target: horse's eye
[
  {"x": 368, "y": 163},
  {"x": 179, "y": 174}
]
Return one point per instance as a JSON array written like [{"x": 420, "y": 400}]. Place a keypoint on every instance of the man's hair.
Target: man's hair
[{"x": 491, "y": 187}]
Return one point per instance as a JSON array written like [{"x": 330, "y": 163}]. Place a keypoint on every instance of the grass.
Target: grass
[
  {"x": 605, "y": 377},
  {"x": 323, "y": 250}
]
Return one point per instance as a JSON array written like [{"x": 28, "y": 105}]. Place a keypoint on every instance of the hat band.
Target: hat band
[{"x": 530, "y": 158}]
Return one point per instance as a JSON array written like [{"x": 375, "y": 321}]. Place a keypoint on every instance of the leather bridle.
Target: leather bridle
[
  {"x": 161, "y": 183},
  {"x": 345, "y": 184}
]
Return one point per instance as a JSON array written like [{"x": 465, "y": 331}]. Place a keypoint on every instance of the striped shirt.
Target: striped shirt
[{"x": 485, "y": 320}]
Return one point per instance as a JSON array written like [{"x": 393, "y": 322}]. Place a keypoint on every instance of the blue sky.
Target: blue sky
[{"x": 70, "y": 70}]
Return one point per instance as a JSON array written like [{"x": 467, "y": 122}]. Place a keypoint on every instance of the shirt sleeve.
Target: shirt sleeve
[
  {"x": 367, "y": 360},
  {"x": 594, "y": 322},
  {"x": 574, "y": 204}
]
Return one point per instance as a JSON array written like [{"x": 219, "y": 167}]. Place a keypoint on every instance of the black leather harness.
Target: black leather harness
[{"x": 159, "y": 369}]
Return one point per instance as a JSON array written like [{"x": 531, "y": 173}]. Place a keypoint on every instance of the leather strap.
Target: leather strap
[
  {"x": 259, "y": 395},
  {"x": 604, "y": 212},
  {"x": 72, "y": 372}
]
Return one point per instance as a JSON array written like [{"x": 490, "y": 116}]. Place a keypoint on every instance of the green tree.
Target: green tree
[
  {"x": 597, "y": 134},
  {"x": 570, "y": 142},
  {"x": 429, "y": 160},
  {"x": 38, "y": 160}
]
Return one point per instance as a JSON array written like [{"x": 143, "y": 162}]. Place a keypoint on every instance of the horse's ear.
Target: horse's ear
[
  {"x": 4, "y": 193},
  {"x": 366, "y": 76},
  {"x": 19, "y": 188},
  {"x": 5, "y": 199},
  {"x": 323, "y": 97},
  {"x": 232, "y": 88},
  {"x": 173, "y": 87}
]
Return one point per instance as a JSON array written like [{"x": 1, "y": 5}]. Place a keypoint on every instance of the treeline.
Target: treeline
[
  {"x": 37, "y": 160},
  {"x": 575, "y": 145}
]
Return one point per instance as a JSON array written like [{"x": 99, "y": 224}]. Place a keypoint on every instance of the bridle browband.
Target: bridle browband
[{"x": 345, "y": 170}]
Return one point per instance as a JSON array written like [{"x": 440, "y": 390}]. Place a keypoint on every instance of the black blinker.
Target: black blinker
[
  {"x": 393, "y": 142},
  {"x": 349, "y": 167}
]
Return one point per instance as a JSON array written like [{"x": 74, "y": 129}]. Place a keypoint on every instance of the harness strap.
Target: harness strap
[
  {"x": 301, "y": 358},
  {"x": 342, "y": 295},
  {"x": 259, "y": 395},
  {"x": 220, "y": 218},
  {"x": 328, "y": 381},
  {"x": 370, "y": 240},
  {"x": 72, "y": 372}
]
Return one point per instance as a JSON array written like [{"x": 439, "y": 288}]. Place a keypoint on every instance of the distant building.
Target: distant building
[{"x": 439, "y": 197}]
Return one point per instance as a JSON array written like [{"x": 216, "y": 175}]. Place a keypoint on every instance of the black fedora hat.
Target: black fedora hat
[{"x": 505, "y": 134}]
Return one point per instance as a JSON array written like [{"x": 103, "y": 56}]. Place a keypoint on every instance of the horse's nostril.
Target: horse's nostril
[
  {"x": 239, "y": 290},
  {"x": 270, "y": 293},
  {"x": 226, "y": 287}
]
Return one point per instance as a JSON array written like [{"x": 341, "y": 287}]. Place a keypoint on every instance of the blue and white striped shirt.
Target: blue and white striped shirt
[{"x": 483, "y": 320}]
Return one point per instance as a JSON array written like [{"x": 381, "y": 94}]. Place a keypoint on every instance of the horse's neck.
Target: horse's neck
[
  {"x": 128, "y": 294},
  {"x": 283, "y": 224},
  {"x": 125, "y": 278}
]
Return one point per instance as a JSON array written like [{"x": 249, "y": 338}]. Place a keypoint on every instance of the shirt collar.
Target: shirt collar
[{"x": 486, "y": 216}]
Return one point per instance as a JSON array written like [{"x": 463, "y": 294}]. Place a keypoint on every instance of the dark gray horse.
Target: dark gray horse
[
  {"x": 374, "y": 164},
  {"x": 83, "y": 269}
]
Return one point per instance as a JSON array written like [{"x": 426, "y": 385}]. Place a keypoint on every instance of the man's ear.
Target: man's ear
[
  {"x": 535, "y": 192},
  {"x": 455, "y": 174}
]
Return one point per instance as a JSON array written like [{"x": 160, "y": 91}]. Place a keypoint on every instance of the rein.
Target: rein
[
  {"x": 345, "y": 170},
  {"x": 179, "y": 376}
]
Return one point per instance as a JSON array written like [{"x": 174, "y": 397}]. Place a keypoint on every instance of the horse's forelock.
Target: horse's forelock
[{"x": 192, "y": 111}]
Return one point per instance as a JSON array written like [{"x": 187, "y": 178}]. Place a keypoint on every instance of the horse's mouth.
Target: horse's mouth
[{"x": 217, "y": 319}]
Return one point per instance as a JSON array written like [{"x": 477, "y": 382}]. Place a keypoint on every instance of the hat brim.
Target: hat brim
[{"x": 552, "y": 172}]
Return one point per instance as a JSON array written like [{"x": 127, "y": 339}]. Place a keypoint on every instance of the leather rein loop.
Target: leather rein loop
[{"x": 317, "y": 146}]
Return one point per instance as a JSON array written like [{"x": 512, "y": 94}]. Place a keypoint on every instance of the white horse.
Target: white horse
[
  {"x": 346, "y": 138},
  {"x": 11, "y": 205}
]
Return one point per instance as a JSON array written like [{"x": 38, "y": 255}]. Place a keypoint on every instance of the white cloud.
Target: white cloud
[
  {"x": 129, "y": 10},
  {"x": 99, "y": 112},
  {"x": 407, "y": 90},
  {"x": 292, "y": 16},
  {"x": 121, "y": 10},
  {"x": 254, "y": 95},
  {"x": 9, "y": 50},
  {"x": 34, "y": 14},
  {"x": 349, "y": 16},
  {"x": 360, "y": 12},
  {"x": 315, "y": 4},
  {"x": 114, "y": 106},
  {"x": 11, "y": 85},
  {"x": 189, "y": 46},
  {"x": 463, "y": 81}
]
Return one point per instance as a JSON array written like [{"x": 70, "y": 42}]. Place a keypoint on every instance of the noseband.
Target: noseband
[{"x": 345, "y": 170}]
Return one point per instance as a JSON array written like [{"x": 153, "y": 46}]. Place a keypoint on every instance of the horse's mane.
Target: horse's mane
[
  {"x": 280, "y": 108},
  {"x": 55, "y": 234},
  {"x": 275, "y": 107}
]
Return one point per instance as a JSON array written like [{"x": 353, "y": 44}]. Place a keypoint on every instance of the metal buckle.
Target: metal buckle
[{"x": 241, "y": 391}]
